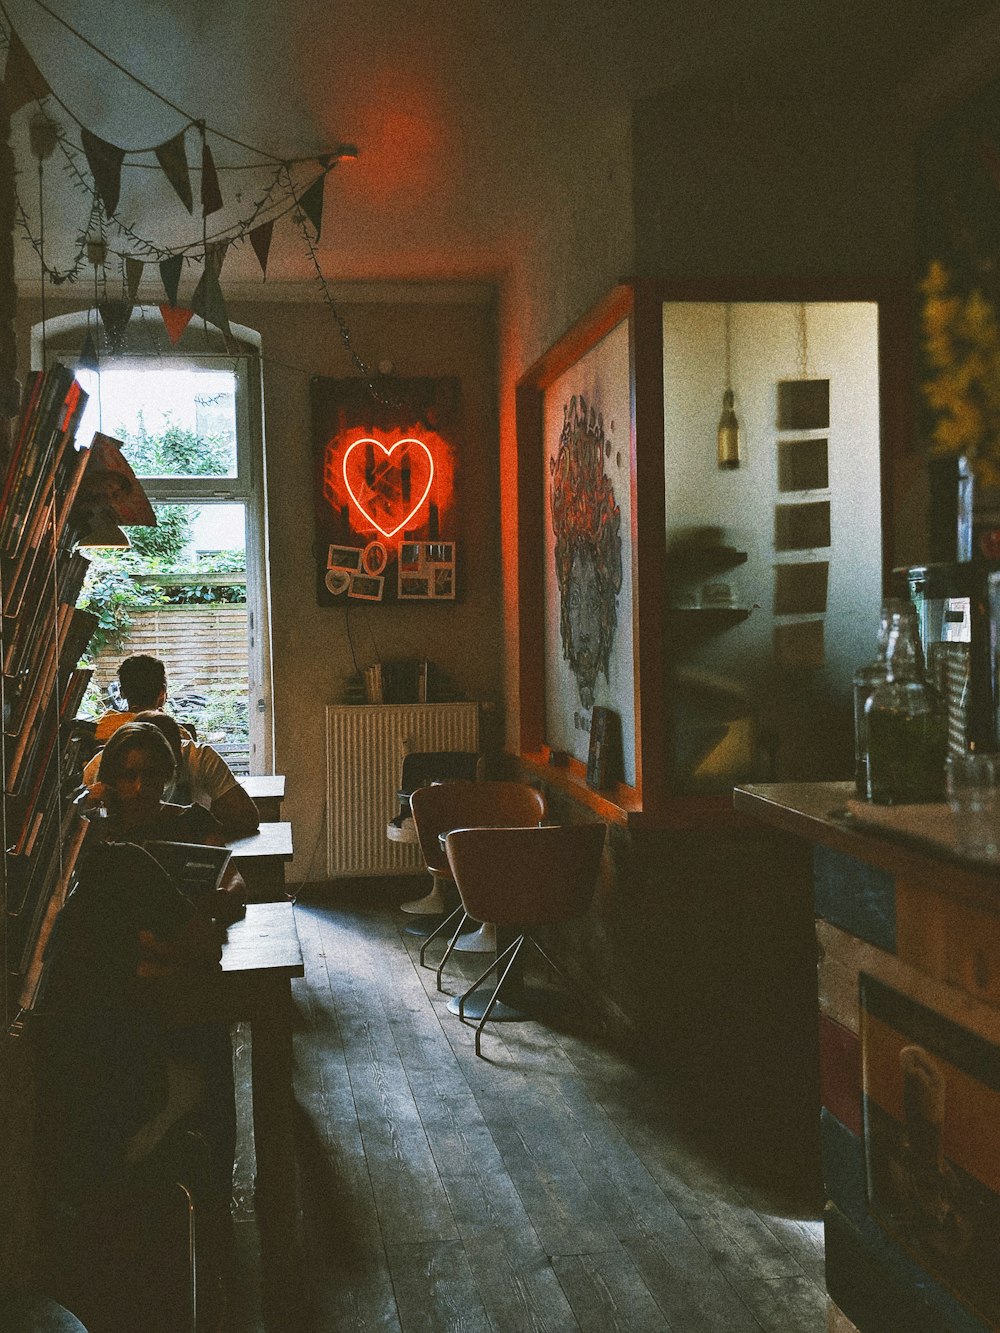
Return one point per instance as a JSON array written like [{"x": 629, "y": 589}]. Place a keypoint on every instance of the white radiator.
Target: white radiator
[{"x": 365, "y": 746}]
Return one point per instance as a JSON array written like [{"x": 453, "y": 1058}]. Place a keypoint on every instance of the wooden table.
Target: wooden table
[
  {"x": 253, "y": 985},
  {"x": 267, "y": 791},
  {"x": 259, "y": 958},
  {"x": 260, "y": 858}
]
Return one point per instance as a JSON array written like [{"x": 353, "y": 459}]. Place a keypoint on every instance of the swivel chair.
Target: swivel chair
[
  {"x": 450, "y": 805},
  {"x": 420, "y": 768},
  {"x": 523, "y": 878}
]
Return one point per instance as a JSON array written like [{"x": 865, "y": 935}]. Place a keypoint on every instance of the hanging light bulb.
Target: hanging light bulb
[{"x": 728, "y": 439}]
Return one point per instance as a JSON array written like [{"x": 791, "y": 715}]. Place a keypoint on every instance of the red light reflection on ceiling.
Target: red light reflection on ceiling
[{"x": 390, "y": 482}]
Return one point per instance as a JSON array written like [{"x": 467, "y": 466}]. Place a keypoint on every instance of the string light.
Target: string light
[{"x": 277, "y": 199}]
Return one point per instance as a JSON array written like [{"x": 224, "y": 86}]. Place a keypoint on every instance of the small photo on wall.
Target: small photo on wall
[
  {"x": 412, "y": 585},
  {"x": 366, "y": 587},
  {"x": 426, "y": 571},
  {"x": 344, "y": 557}
]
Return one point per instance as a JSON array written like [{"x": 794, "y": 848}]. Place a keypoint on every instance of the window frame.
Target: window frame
[{"x": 60, "y": 341}]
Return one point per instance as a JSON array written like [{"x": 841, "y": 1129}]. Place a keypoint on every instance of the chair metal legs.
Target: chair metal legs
[
  {"x": 507, "y": 959},
  {"x": 458, "y": 914},
  {"x": 568, "y": 981}
]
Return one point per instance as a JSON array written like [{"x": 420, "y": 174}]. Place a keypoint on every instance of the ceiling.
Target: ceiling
[{"x": 455, "y": 109}]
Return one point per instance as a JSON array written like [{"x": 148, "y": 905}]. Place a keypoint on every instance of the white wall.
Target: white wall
[{"x": 805, "y": 709}]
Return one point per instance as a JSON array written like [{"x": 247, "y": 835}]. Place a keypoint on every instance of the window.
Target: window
[{"x": 195, "y": 585}]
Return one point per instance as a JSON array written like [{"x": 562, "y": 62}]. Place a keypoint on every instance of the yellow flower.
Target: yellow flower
[{"x": 962, "y": 351}]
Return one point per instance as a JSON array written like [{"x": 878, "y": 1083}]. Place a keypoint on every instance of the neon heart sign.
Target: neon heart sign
[{"x": 381, "y": 486}]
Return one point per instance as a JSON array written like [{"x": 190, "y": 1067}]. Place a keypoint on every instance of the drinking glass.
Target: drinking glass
[{"x": 973, "y": 782}]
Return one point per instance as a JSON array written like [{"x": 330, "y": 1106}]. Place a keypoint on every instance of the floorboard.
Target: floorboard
[{"x": 558, "y": 1184}]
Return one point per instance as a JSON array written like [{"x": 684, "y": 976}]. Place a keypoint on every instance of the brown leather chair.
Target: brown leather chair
[
  {"x": 449, "y": 805},
  {"x": 523, "y": 878},
  {"x": 420, "y": 768}
]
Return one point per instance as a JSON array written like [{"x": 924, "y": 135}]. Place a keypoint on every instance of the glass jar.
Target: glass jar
[{"x": 907, "y": 732}]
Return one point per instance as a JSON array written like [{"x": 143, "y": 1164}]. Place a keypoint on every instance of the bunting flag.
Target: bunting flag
[
  {"x": 115, "y": 316},
  {"x": 260, "y": 239},
  {"x": 87, "y": 360},
  {"x": 211, "y": 195},
  {"x": 105, "y": 162},
  {"x": 207, "y": 300},
  {"x": 23, "y": 82},
  {"x": 133, "y": 275},
  {"x": 173, "y": 159},
  {"x": 311, "y": 203},
  {"x": 175, "y": 320},
  {"x": 170, "y": 273},
  {"x": 215, "y": 254}
]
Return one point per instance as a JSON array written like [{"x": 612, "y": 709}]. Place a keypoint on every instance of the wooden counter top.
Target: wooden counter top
[{"x": 818, "y": 812}]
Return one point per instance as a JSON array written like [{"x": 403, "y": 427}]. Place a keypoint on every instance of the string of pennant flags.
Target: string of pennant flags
[{"x": 24, "y": 84}]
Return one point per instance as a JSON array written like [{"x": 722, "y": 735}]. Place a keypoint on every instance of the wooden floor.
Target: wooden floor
[{"x": 557, "y": 1185}]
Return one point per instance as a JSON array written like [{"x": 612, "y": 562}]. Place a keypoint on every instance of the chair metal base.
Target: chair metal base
[
  {"x": 483, "y": 940},
  {"x": 476, "y": 1005},
  {"x": 431, "y": 904},
  {"x": 423, "y": 927}
]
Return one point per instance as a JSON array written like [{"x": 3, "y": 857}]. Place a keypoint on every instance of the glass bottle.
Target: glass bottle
[
  {"x": 729, "y": 434},
  {"x": 907, "y": 733},
  {"x": 865, "y": 679}
]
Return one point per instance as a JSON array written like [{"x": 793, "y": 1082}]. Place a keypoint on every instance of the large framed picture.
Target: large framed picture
[{"x": 579, "y": 563}]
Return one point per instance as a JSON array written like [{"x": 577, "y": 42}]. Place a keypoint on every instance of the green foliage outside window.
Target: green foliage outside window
[{"x": 111, "y": 591}]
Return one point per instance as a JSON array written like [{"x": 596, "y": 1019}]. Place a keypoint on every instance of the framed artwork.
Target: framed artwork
[
  {"x": 587, "y": 552},
  {"x": 385, "y": 478},
  {"x": 580, "y": 566}
]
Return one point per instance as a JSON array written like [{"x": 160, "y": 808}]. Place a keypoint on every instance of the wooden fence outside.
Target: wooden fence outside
[{"x": 202, "y": 647}]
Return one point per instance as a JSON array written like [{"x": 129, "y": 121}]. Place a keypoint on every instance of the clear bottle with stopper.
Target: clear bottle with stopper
[
  {"x": 907, "y": 733},
  {"x": 865, "y": 679}
]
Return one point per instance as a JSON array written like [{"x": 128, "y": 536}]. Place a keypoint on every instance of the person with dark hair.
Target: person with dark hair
[
  {"x": 202, "y": 777},
  {"x": 143, "y": 681},
  {"x": 136, "y": 766},
  {"x": 119, "y": 1082}
]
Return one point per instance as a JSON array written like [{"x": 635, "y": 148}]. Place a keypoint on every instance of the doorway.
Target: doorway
[{"x": 193, "y": 590}]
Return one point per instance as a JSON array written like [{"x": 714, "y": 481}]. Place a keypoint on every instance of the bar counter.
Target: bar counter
[{"x": 908, "y": 941}]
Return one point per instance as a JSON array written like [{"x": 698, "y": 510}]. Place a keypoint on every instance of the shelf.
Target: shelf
[
  {"x": 694, "y": 561},
  {"x": 617, "y": 805},
  {"x": 709, "y": 616}
]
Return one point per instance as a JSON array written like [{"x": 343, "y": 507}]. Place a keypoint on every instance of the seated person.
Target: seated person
[
  {"x": 118, "y": 1080},
  {"x": 143, "y": 681},
  {"x": 201, "y": 777},
  {"x": 136, "y": 766}
]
